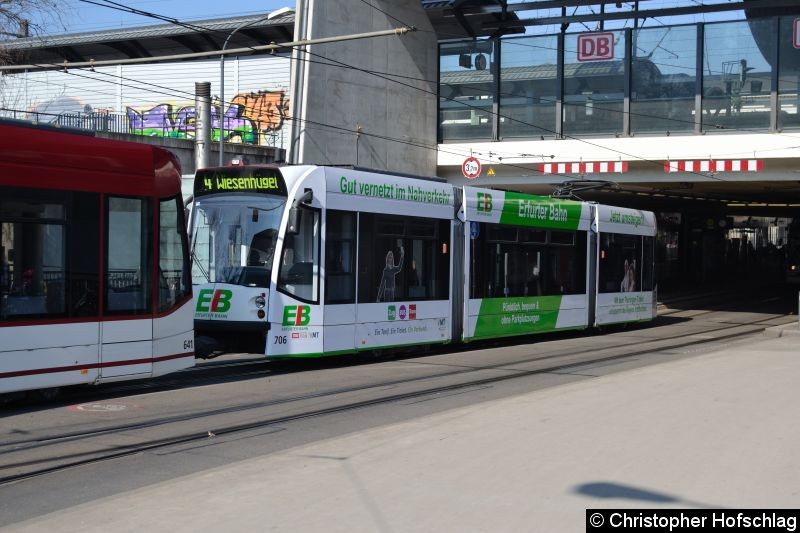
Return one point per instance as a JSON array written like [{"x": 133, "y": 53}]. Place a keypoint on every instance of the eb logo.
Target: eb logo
[
  {"x": 216, "y": 301},
  {"x": 484, "y": 202},
  {"x": 296, "y": 315}
]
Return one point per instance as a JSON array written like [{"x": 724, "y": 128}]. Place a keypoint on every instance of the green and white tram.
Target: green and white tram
[{"x": 306, "y": 261}]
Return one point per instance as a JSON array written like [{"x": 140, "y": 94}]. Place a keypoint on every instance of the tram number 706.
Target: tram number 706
[{"x": 280, "y": 339}]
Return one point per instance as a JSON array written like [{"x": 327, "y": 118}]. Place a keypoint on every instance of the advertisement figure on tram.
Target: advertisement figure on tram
[{"x": 387, "y": 286}]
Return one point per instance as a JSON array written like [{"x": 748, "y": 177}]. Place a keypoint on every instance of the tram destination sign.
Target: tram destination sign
[{"x": 239, "y": 179}]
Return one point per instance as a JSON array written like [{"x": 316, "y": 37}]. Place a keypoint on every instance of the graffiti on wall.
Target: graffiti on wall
[{"x": 251, "y": 118}]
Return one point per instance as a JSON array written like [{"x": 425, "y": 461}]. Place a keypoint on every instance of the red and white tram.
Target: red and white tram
[{"x": 94, "y": 271}]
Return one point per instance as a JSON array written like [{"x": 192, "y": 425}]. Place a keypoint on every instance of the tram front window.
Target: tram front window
[{"x": 233, "y": 239}]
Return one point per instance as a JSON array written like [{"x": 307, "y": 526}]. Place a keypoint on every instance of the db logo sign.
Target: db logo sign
[{"x": 595, "y": 46}]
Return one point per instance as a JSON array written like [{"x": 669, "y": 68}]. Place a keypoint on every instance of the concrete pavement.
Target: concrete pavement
[{"x": 716, "y": 430}]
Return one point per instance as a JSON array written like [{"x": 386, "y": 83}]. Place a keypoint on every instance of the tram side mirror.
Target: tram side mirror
[
  {"x": 293, "y": 226},
  {"x": 306, "y": 199},
  {"x": 295, "y": 217}
]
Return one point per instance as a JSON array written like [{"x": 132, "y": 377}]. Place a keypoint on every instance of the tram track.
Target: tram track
[
  {"x": 80, "y": 448},
  {"x": 256, "y": 367}
]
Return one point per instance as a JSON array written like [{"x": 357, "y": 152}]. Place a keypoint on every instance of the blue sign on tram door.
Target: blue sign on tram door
[{"x": 474, "y": 230}]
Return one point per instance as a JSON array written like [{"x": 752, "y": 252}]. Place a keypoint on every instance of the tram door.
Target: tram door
[
  {"x": 340, "y": 281},
  {"x": 126, "y": 345}
]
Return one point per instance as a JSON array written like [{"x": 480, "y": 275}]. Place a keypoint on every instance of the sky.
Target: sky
[{"x": 82, "y": 16}]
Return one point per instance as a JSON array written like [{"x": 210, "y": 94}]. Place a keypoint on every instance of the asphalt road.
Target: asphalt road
[{"x": 117, "y": 438}]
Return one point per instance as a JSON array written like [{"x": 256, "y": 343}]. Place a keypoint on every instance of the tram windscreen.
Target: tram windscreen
[{"x": 234, "y": 237}]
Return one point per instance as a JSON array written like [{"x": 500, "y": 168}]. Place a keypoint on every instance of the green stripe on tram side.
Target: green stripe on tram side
[
  {"x": 503, "y": 317},
  {"x": 632, "y": 321},
  {"x": 410, "y": 345},
  {"x": 311, "y": 355},
  {"x": 523, "y": 210}
]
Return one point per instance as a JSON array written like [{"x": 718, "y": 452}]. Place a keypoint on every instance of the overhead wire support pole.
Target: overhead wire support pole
[{"x": 212, "y": 53}]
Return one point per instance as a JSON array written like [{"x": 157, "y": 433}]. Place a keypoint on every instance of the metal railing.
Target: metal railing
[
  {"x": 121, "y": 123},
  {"x": 101, "y": 122},
  {"x": 95, "y": 121}
]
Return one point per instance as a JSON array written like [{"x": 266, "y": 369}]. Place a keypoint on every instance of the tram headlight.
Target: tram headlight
[
  {"x": 793, "y": 268},
  {"x": 261, "y": 301}
]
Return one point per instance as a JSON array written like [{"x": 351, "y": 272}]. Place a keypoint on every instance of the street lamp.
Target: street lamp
[{"x": 221, "y": 113}]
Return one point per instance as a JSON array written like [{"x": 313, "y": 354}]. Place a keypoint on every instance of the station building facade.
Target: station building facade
[{"x": 698, "y": 122}]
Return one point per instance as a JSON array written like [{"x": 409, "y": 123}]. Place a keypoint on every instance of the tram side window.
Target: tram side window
[
  {"x": 83, "y": 238},
  {"x": 510, "y": 261},
  {"x": 299, "y": 269},
  {"x": 403, "y": 258},
  {"x": 32, "y": 255},
  {"x": 621, "y": 263},
  {"x": 567, "y": 266},
  {"x": 49, "y": 254},
  {"x": 129, "y": 263},
  {"x": 648, "y": 263},
  {"x": 173, "y": 283},
  {"x": 340, "y": 258}
]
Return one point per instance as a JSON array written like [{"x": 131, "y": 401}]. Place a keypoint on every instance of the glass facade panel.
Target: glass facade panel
[
  {"x": 466, "y": 93},
  {"x": 737, "y": 68},
  {"x": 593, "y": 87},
  {"x": 663, "y": 79},
  {"x": 789, "y": 75},
  {"x": 736, "y": 75},
  {"x": 528, "y": 86}
]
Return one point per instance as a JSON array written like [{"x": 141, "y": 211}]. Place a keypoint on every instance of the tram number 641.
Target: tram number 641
[{"x": 280, "y": 339}]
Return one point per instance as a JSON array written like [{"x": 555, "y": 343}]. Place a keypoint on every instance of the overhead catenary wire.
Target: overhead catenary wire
[
  {"x": 438, "y": 148},
  {"x": 116, "y": 5}
]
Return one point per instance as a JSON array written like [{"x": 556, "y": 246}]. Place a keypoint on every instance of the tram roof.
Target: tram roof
[{"x": 63, "y": 159}]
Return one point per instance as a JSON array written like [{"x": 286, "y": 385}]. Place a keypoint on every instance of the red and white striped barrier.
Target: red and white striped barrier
[
  {"x": 715, "y": 165},
  {"x": 584, "y": 167}
]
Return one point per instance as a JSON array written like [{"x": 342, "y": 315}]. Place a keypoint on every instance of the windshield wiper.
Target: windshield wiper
[
  {"x": 196, "y": 261},
  {"x": 203, "y": 271}
]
